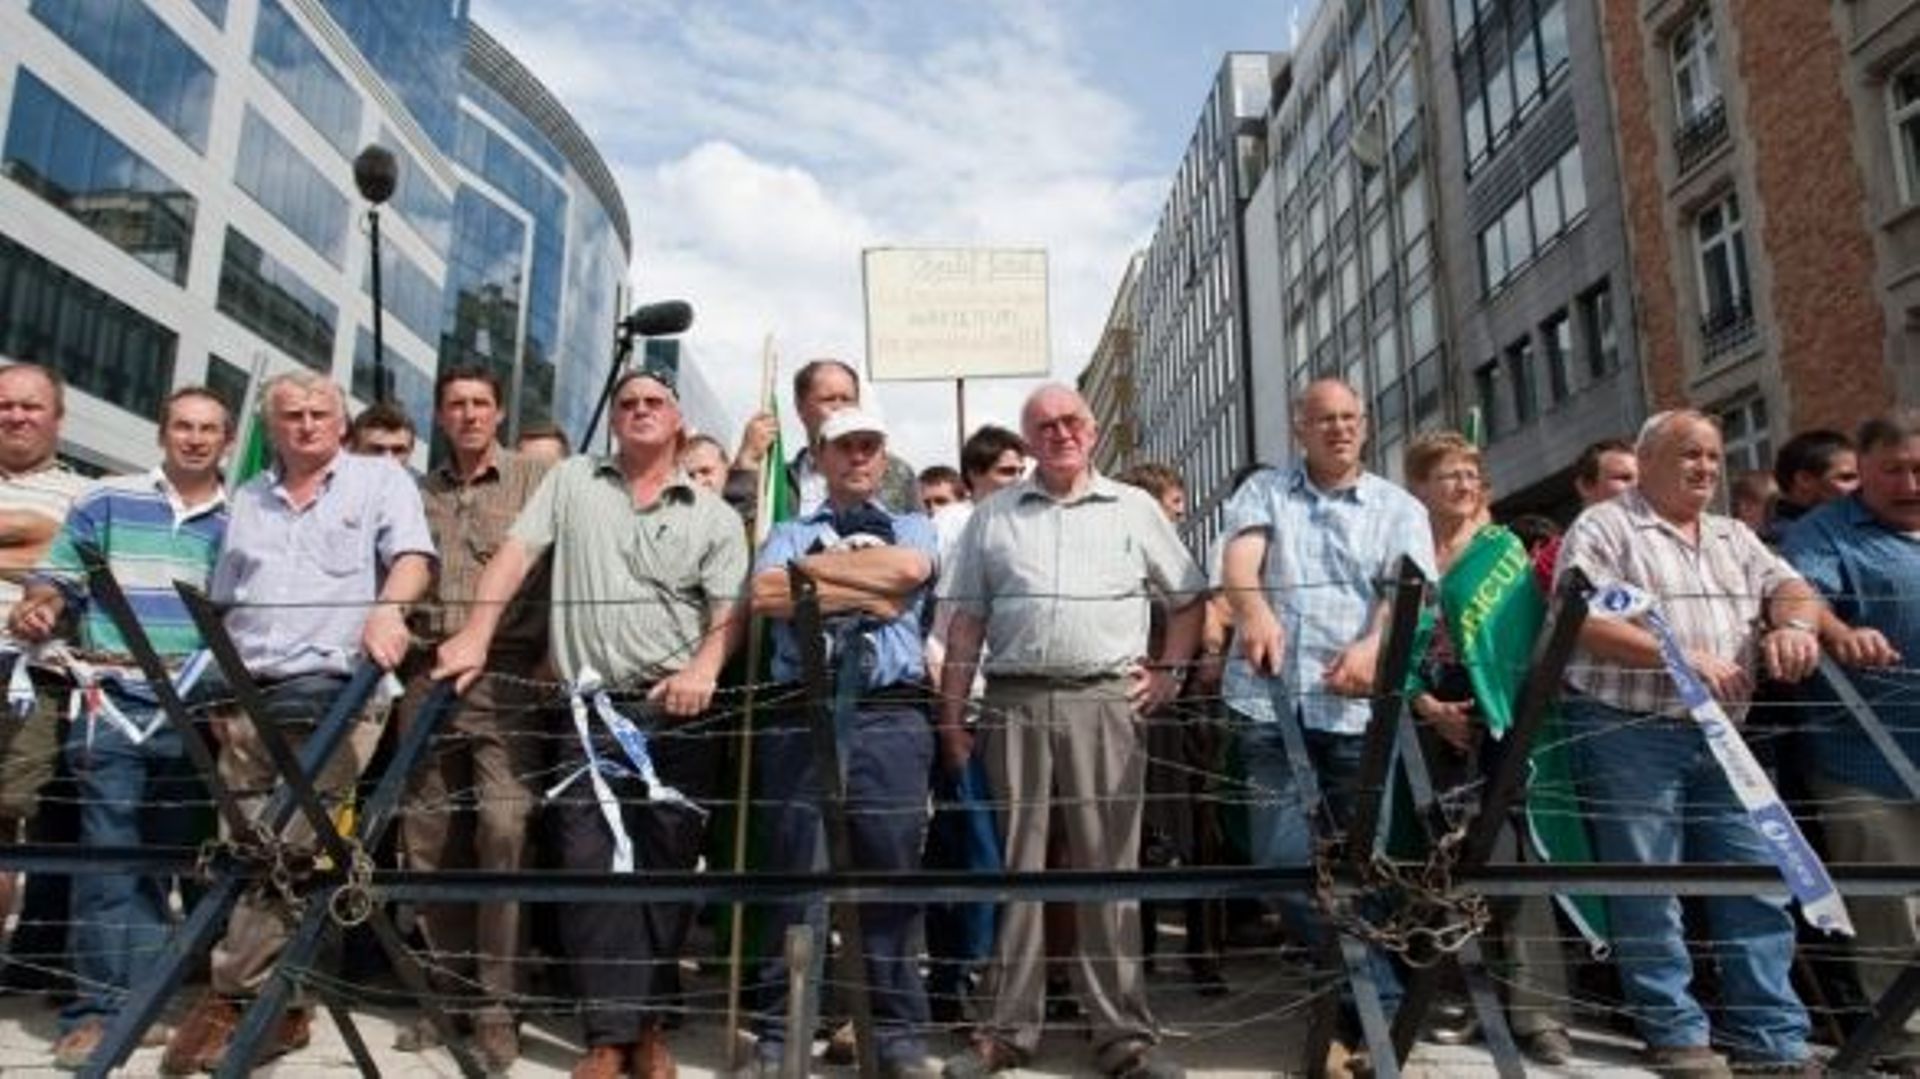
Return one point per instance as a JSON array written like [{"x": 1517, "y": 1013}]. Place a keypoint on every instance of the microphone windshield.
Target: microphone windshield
[{"x": 658, "y": 319}]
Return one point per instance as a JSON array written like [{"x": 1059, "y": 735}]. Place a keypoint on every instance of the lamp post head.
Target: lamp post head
[{"x": 376, "y": 173}]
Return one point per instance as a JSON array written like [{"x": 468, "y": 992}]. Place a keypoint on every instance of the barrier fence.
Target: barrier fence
[{"x": 1431, "y": 911}]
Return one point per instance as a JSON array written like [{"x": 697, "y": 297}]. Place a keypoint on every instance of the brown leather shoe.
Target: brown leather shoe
[
  {"x": 201, "y": 1038},
  {"x": 293, "y": 1031},
  {"x": 651, "y": 1058},
  {"x": 70, "y": 1053},
  {"x": 604, "y": 1062},
  {"x": 498, "y": 1043}
]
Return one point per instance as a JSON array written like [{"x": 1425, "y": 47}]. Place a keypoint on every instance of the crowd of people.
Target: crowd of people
[{"x": 1029, "y": 670}]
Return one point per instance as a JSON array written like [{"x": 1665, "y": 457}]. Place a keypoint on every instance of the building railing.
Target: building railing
[
  {"x": 1727, "y": 329},
  {"x": 1701, "y": 134}
]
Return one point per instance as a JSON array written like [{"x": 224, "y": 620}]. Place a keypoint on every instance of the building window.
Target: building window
[
  {"x": 1700, "y": 114},
  {"x": 229, "y": 382},
  {"x": 100, "y": 345},
  {"x": 1903, "y": 109},
  {"x": 1535, "y": 219},
  {"x": 263, "y": 295},
  {"x": 142, "y": 56},
  {"x": 214, "y": 10},
  {"x": 408, "y": 293},
  {"x": 294, "y": 64},
  {"x": 280, "y": 178},
  {"x": 1743, "y": 431},
  {"x": 1520, "y": 375},
  {"x": 1556, "y": 334},
  {"x": 1486, "y": 392},
  {"x": 1726, "y": 320},
  {"x": 62, "y": 155},
  {"x": 1602, "y": 336},
  {"x": 1510, "y": 59},
  {"x": 407, "y": 386}
]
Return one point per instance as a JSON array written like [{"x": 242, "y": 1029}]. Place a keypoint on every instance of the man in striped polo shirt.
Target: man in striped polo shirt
[
  {"x": 136, "y": 784},
  {"x": 35, "y": 491}
]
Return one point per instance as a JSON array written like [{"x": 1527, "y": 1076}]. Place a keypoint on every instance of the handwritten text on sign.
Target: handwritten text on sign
[{"x": 944, "y": 313}]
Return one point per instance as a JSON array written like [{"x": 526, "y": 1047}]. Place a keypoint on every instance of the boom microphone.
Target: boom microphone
[{"x": 659, "y": 319}]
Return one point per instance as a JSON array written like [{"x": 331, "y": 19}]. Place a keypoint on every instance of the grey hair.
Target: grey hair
[
  {"x": 1657, "y": 424},
  {"x": 1889, "y": 429}
]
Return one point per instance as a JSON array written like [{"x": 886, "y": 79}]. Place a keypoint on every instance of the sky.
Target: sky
[{"x": 761, "y": 145}]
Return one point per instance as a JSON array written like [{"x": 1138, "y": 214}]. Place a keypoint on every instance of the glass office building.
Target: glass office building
[{"x": 178, "y": 207}]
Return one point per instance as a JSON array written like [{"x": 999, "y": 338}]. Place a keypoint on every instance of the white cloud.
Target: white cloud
[{"x": 762, "y": 146}]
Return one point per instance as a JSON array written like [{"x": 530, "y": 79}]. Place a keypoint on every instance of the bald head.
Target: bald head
[
  {"x": 1680, "y": 462},
  {"x": 1061, "y": 432},
  {"x": 1330, "y": 423}
]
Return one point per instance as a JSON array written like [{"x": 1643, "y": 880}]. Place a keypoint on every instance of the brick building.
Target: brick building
[{"x": 1770, "y": 166}]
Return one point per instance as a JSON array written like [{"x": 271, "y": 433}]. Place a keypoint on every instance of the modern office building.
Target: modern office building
[
  {"x": 1531, "y": 229},
  {"x": 178, "y": 206},
  {"x": 1107, "y": 382},
  {"x": 1190, "y": 360},
  {"x": 1770, "y": 158},
  {"x": 1346, "y": 223}
]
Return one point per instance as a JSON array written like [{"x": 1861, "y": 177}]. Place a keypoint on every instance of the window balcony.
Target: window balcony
[
  {"x": 1726, "y": 329},
  {"x": 1701, "y": 134}
]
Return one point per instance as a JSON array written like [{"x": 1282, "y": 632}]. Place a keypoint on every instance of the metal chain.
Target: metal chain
[{"x": 1429, "y": 918}]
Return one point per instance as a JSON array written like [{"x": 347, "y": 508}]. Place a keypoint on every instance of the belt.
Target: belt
[
  {"x": 1061, "y": 681},
  {"x": 897, "y": 693}
]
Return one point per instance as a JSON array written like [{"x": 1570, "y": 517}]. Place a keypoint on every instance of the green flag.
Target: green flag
[
  {"x": 252, "y": 456},
  {"x": 1494, "y": 610}
]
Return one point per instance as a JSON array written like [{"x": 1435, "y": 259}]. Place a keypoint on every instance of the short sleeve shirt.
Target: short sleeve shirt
[
  {"x": 1328, "y": 556},
  {"x": 45, "y": 492},
  {"x": 1065, "y": 585},
  {"x": 469, "y": 521},
  {"x": 898, "y": 645},
  {"x": 1712, "y": 593},
  {"x": 634, "y": 588},
  {"x": 301, "y": 581}
]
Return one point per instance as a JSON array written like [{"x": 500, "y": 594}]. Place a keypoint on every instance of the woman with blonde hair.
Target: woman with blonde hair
[{"x": 1463, "y": 695}]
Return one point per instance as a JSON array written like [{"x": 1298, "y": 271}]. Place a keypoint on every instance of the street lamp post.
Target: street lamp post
[{"x": 376, "y": 173}]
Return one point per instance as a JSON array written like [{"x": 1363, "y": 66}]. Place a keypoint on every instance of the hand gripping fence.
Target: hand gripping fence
[{"x": 1433, "y": 925}]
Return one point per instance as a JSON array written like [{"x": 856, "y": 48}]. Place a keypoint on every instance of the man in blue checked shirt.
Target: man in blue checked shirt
[
  {"x": 1306, "y": 550},
  {"x": 1862, "y": 552},
  {"x": 136, "y": 784},
  {"x": 873, "y": 568}
]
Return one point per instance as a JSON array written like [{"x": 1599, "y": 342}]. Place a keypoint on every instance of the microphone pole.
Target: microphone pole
[{"x": 663, "y": 319}]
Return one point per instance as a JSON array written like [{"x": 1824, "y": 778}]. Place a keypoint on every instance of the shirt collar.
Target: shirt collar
[
  {"x": 825, "y": 512},
  {"x": 679, "y": 487},
  {"x": 1643, "y": 516},
  {"x": 1357, "y": 491},
  {"x": 446, "y": 473},
  {"x": 181, "y": 511},
  {"x": 1099, "y": 489},
  {"x": 276, "y": 474},
  {"x": 51, "y": 464}
]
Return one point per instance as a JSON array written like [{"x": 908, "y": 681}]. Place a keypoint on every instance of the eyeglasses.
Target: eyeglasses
[
  {"x": 1465, "y": 477},
  {"x": 1335, "y": 419},
  {"x": 1070, "y": 424}
]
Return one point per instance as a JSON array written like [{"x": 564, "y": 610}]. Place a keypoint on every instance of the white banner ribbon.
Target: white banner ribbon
[
  {"x": 589, "y": 692},
  {"x": 1806, "y": 876}
]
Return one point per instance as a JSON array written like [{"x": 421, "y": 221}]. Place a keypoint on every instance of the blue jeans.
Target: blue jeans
[
  {"x": 1280, "y": 827},
  {"x": 962, "y": 835},
  {"x": 1659, "y": 797},
  {"x": 887, "y": 756},
  {"x": 130, "y": 795}
]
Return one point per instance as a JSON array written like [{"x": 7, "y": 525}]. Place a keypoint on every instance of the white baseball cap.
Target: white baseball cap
[{"x": 851, "y": 421}]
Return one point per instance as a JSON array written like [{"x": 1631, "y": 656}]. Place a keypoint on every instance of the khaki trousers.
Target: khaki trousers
[
  {"x": 258, "y": 928},
  {"x": 467, "y": 807},
  {"x": 1083, "y": 742},
  {"x": 1860, "y": 826}
]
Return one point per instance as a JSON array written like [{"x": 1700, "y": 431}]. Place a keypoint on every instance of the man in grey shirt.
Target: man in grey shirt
[
  {"x": 1055, "y": 575},
  {"x": 648, "y": 569},
  {"x": 322, "y": 552}
]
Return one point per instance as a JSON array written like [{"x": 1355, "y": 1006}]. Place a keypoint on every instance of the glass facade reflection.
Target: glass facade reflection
[
  {"x": 142, "y": 55},
  {"x": 407, "y": 385},
  {"x": 264, "y": 295},
  {"x": 97, "y": 343},
  {"x": 280, "y": 178},
  {"x": 481, "y": 317},
  {"x": 62, "y": 155},
  {"x": 300, "y": 70},
  {"x": 506, "y": 241},
  {"x": 416, "y": 46}
]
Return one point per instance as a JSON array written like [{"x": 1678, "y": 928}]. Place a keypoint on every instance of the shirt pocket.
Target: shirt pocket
[
  {"x": 339, "y": 547},
  {"x": 659, "y": 559}
]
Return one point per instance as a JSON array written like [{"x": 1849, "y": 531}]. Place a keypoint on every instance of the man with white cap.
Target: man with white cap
[
  {"x": 647, "y": 572},
  {"x": 873, "y": 570}
]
